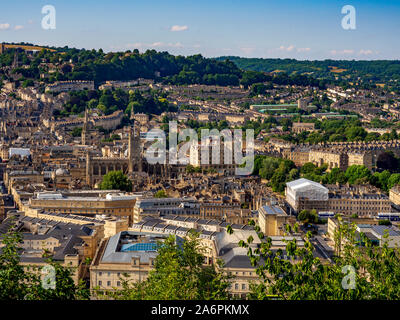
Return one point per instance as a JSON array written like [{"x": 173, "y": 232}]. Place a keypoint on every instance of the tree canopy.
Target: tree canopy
[
  {"x": 359, "y": 270},
  {"x": 116, "y": 180},
  {"x": 367, "y": 73},
  {"x": 16, "y": 283}
]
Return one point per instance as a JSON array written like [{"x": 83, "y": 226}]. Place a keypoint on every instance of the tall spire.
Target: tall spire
[
  {"x": 85, "y": 128},
  {"x": 86, "y": 115},
  {"x": 130, "y": 151},
  {"x": 138, "y": 146},
  {"x": 132, "y": 117},
  {"x": 88, "y": 168}
]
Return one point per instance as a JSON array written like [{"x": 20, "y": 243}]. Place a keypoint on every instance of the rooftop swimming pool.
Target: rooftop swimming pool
[{"x": 142, "y": 246}]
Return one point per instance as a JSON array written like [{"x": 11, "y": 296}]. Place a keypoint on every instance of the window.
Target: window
[
  {"x": 236, "y": 286},
  {"x": 100, "y": 274},
  {"x": 99, "y": 283},
  {"x": 118, "y": 283},
  {"x": 243, "y": 286},
  {"x": 108, "y": 283}
]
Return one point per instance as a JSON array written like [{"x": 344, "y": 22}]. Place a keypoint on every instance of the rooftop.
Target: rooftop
[
  {"x": 302, "y": 182},
  {"x": 273, "y": 210},
  {"x": 125, "y": 245}
]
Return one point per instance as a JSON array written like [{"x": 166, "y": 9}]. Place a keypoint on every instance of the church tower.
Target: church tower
[
  {"x": 15, "y": 63},
  {"x": 134, "y": 150},
  {"x": 3, "y": 127},
  {"x": 132, "y": 117},
  {"x": 84, "y": 134},
  {"x": 88, "y": 169}
]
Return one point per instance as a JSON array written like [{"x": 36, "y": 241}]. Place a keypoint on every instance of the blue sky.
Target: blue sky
[{"x": 301, "y": 29}]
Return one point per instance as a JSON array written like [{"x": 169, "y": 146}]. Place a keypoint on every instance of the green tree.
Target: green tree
[
  {"x": 335, "y": 175},
  {"x": 28, "y": 83},
  {"x": 258, "y": 88},
  {"x": 293, "y": 174},
  {"x": 381, "y": 179},
  {"x": 278, "y": 181},
  {"x": 355, "y": 133},
  {"x": 65, "y": 288},
  {"x": 160, "y": 194},
  {"x": 300, "y": 275},
  {"x": 116, "y": 180},
  {"x": 357, "y": 174},
  {"x": 393, "y": 180},
  {"x": 388, "y": 161},
  {"x": 76, "y": 132},
  {"x": 308, "y": 167},
  {"x": 268, "y": 167},
  {"x": 16, "y": 283},
  {"x": 384, "y": 222},
  {"x": 307, "y": 216}
]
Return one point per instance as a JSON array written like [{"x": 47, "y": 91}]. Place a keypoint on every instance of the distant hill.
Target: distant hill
[
  {"x": 375, "y": 71},
  {"x": 81, "y": 64},
  {"x": 74, "y": 64}
]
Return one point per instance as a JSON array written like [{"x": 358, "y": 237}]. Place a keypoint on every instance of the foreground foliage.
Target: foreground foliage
[
  {"x": 357, "y": 272},
  {"x": 19, "y": 284}
]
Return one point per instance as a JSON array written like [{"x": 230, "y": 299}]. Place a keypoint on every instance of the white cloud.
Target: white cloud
[
  {"x": 19, "y": 27},
  {"x": 176, "y": 28},
  {"x": 174, "y": 45},
  {"x": 291, "y": 48},
  {"x": 247, "y": 50},
  {"x": 341, "y": 52},
  {"x": 158, "y": 44},
  {"x": 135, "y": 45},
  {"x": 4, "y": 26},
  {"x": 365, "y": 52}
]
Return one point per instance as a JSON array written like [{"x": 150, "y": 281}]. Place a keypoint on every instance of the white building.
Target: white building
[
  {"x": 22, "y": 152},
  {"x": 305, "y": 189},
  {"x": 164, "y": 206},
  {"x": 212, "y": 152}
]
